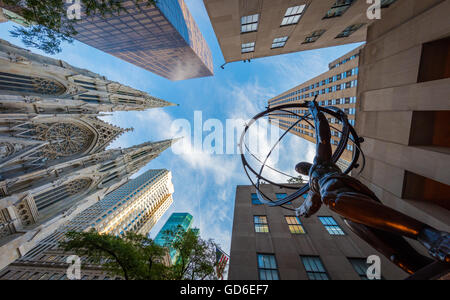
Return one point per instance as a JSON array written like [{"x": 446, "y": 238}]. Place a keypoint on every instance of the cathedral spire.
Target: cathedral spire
[
  {"x": 140, "y": 155},
  {"x": 32, "y": 82}
]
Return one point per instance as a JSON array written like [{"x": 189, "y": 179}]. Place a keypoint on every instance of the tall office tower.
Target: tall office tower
[
  {"x": 163, "y": 39},
  {"x": 271, "y": 243},
  {"x": 248, "y": 29},
  {"x": 133, "y": 207},
  {"x": 336, "y": 87},
  {"x": 403, "y": 110},
  {"x": 176, "y": 222},
  {"x": 45, "y": 199}
]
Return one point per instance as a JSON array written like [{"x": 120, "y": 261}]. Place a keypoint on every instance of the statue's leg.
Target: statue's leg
[
  {"x": 362, "y": 209},
  {"x": 394, "y": 247}
]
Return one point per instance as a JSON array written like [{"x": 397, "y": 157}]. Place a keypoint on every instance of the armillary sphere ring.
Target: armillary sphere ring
[{"x": 348, "y": 134}]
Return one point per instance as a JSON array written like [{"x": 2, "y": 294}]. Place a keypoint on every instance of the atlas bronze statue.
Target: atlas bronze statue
[{"x": 383, "y": 228}]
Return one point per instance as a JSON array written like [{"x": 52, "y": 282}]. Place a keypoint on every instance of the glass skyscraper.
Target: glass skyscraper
[
  {"x": 161, "y": 38},
  {"x": 176, "y": 222}
]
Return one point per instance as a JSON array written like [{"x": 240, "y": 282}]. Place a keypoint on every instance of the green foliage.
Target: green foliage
[
  {"x": 48, "y": 25},
  {"x": 136, "y": 257},
  {"x": 196, "y": 257},
  {"x": 296, "y": 180}
]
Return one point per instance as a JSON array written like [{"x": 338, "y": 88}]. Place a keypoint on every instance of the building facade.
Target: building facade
[
  {"x": 336, "y": 87},
  {"x": 403, "y": 110},
  {"x": 176, "y": 222},
  {"x": 133, "y": 207},
  {"x": 271, "y": 243},
  {"x": 162, "y": 38},
  {"x": 248, "y": 29},
  {"x": 52, "y": 143}
]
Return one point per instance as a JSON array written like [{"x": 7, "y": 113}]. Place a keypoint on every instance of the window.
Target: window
[
  {"x": 279, "y": 42},
  {"x": 360, "y": 266},
  {"x": 248, "y": 47},
  {"x": 339, "y": 8},
  {"x": 267, "y": 267},
  {"x": 261, "y": 224},
  {"x": 295, "y": 226},
  {"x": 21, "y": 84},
  {"x": 54, "y": 276},
  {"x": 314, "y": 36},
  {"x": 314, "y": 268},
  {"x": 435, "y": 61},
  {"x": 293, "y": 15},
  {"x": 249, "y": 23},
  {"x": 281, "y": 196},
  {"x": 349, "y": 30},
  {"x": 255, "y": 199},
  {"x": 24, "y": 276},
  {"x": 331, "y": 226}
]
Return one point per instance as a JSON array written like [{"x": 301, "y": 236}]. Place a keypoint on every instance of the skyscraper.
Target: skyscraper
[
  {"x": 52, "y": 144},
  {"x": 176, "y": 222},
  {"x": 248, "y": 29},
  {"x": 161, "y": 38},
  {"x": 336, "y": 87},
  {"x": 133, "y": 207},
  {"x": 271, "y": 243}
]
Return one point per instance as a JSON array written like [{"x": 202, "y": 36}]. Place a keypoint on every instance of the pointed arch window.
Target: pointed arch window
[
  {"x": 61, "y": 193},
  {"x": 21, "y": 84}
]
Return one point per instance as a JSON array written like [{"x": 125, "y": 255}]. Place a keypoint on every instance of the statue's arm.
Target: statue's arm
[
  {"x": 323, "y": 136},
  {"x": 310, "y": 206}
]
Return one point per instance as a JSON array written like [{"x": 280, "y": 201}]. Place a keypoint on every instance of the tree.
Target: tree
[
  {"x": 136, "y": 257},
  {"x": 196, "y": 258},
  {"x": 133, "y": 257},
  {"x": 296, "y": 180},
  {"x": 47, "y": 24}
]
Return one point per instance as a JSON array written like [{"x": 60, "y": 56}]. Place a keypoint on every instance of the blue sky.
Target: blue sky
[{"x": 204, "y": 183}]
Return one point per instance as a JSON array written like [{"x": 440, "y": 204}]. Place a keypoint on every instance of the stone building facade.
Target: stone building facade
[
  {"x": 250, "y": 29},
  {"x": 403, "y": 110},
  {"x": 271, "y": 243}
]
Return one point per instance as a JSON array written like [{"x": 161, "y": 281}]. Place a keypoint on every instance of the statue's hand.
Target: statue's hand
[{"x": 301, "y": 212}]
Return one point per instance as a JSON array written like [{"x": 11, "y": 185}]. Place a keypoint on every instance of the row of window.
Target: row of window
[
  {"x": 344, "y": 61},
  {"x": 339, "y": 101},
  {"x": 314, "y": 267},
  {"x": 27, "y": 275},
  {"x": 292, "y": 16},
  {"x": 335, "y": 78},
  {"x": 280, "y": 42},
  {"x": 332, "y": 89},
  {"x": 261, "y": 225}
]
